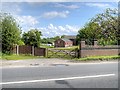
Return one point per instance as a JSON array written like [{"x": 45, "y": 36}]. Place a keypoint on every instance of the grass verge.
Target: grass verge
[
  {"x": 94, "y": 58},
  {"x": 19, "y": 57}
]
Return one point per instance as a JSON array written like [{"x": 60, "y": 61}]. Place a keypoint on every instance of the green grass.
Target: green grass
[
  {"x": 93, "y": 58},
  {"x": 0, "y": 55},
  {"x": 45, "y": 46},
  {"x": 19, "y": 57},
  {"x": 67, "y": 48},
  {"x": 60, "y": 48}
]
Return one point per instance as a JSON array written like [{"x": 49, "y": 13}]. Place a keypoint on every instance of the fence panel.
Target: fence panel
[
  {"x": 25, "y": 49},
  {"x": 39, "y": 51}
]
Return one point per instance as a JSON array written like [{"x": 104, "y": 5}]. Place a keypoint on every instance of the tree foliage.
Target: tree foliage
[
  {"x": 89, "y": 32},
  {"x": 50, "y": 40},
  {"x": 20, "y": 43},
  {"x": 10, "y": 32},
  {"x": 32, "y": 37},
  {"x": 103, "y": 27}
]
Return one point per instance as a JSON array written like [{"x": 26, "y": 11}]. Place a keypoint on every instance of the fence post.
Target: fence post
[
  {"x": 33, "y": 50},
  {"x": 78, "y": 53},
  {"x": 79, "y": 50},
  {"x": 82, "y": 43},
  {"x": 46, "y": 54},
  {"x": 95, "y": 43},
  {"x": 17, "y": 50}
]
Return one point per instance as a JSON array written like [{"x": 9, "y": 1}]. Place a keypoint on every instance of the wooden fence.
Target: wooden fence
[
  {"x": 84, "y": 51},
  {"x": 25, "y": 49}
]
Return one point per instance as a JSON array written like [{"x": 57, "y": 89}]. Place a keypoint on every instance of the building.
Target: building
[
  {"x": 63, "y": 42},
  {"x": 72, "y": 38}
]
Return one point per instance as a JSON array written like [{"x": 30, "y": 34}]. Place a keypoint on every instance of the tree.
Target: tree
[
  {"x": 88, "y": 32},
  {"x": 20, "y": 43},
  {"x": 56, "y": 37},
  {"x": 108, "y": 22},
  {"x": 32, "y": 37},
  {"x": 44, "y": 40},
  {"x": 10, "y": 32},
  {"x": 62, "y": 36},
  {"x": 103, "y": 27}
]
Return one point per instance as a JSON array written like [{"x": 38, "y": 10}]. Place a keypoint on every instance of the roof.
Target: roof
[
  {"x": 70, "y": 36},
  {"x": 66, "y": 40}
]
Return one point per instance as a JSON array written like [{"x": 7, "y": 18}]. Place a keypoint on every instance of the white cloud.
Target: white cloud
[
  {"x": 52, "y": 30},
  {"x": 50, "y": 27},
  {"x": 11, "y": 7},
  {"x": 99, "y": 5},
  {"x": 27, "y": 20},
  {"x": 54, "y": 14},
  {"x": 72, "y": 6},
  {"x": 67, "y": 6},
  {"x": 61, "y": 28},
  {"x": 36, "y": 4}
]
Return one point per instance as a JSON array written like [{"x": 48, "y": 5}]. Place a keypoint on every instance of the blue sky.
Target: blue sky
[{"x": 55, "y": 18}]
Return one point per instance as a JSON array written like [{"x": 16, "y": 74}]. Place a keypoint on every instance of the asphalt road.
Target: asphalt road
[{"x": 74, "y": 76}]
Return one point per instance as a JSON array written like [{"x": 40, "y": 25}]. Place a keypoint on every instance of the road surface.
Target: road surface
[{"x": 104, "y": 75}]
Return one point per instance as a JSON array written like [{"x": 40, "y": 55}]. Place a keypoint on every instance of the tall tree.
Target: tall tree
[
  {"x": 32, "y": 37},
  {"x": 108, "y": 22},
  {"x": 103, "y": 27},
  {"x": 10, "y": 32},
  {"x": 88, "y": 32}
]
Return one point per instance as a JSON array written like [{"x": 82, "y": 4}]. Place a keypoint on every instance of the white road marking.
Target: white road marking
[{"x": 46, "y": 80}]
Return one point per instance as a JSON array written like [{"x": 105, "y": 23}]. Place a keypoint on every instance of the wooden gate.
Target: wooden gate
[{"x": 62, "y": 53}]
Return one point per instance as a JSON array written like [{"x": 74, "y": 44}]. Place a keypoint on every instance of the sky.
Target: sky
[{"x": 55, "y": 18}]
